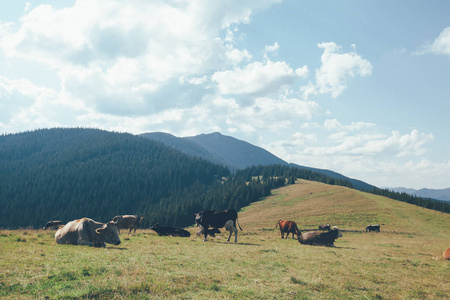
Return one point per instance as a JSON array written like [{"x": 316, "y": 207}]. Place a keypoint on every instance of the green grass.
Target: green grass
[{"x": 403, "y": 261}]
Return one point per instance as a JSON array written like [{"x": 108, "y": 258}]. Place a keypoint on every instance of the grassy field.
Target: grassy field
[{"x": 403, "y": 261}]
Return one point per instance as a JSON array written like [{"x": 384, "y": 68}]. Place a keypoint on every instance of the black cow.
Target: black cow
[
  {"x": 320, "y": 238},
  {"x": 324, "y": 227},
  {"x": 167, "y": 230},
  {"x": 217, "y": 219},
  {"x": 373, "y": 228},
  {"x": 53, "y": 224}
]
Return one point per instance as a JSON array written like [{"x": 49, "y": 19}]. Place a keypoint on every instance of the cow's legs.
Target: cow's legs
[
  {"x": 205, "y": 233},
  {"x": 131, "y": 228}
]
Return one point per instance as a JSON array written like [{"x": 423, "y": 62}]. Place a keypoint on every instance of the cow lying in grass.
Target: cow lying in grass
[
  {"x": 370, "y": 228},
  {"x": 88, "y": 232},
  {"x": 320, "y": 238},
  {"x": 167, "y": 230},
  {"x": 53, "y": 225},
  {"x": 324, "y": 227}
]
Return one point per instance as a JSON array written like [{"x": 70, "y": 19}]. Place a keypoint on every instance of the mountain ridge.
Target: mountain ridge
[
  {"x": 438, "y": 194},
  {"x": 236, "y": 154}
]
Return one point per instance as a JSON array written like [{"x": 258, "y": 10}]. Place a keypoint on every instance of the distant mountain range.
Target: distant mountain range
[
  {"x": 235, "y": 154},
  {"x": 443, "y": 194}
]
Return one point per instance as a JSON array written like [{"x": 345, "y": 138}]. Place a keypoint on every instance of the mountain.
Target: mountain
[
  {"x": 236, "y": 154},
  {"x": 438, "y": 194},
  {"x": 225, "y": 150}
]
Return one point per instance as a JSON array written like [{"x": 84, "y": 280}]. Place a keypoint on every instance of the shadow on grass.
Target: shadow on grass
[
  {"x": 115, "y": 248},
  {"x": 233, "y": 243}
]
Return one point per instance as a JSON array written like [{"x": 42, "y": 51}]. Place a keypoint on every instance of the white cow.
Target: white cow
[{"x": 88, "y": 232}]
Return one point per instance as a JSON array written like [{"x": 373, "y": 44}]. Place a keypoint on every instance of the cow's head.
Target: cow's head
[
  {"x": 155, "y": 227},
  {"x": 339, "y": 232},
  {"x": 108, "y": 233},
  {"x": 198, "y": 218}
]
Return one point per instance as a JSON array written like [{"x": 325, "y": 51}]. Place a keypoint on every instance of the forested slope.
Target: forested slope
[{"x": 72, "y": 173}]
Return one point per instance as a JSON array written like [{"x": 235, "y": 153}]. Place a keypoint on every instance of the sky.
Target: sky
[{"x": 361, "y": 88}]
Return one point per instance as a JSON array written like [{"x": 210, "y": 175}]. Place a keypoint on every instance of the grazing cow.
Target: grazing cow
[
  {"x": 88, "y": 232},
  {"x": 320, "y": 238},
  {"x": 217, "y": 219},
  {"x": 373, "y": 228},
  {"x": 127, "y": 221},
  {"x": 446, "y": 254},
  {"x": 167, "y": 230},
  {"x": 211, "y": 232},
  {"x": 324, "y": 227},
  {"x": 53, "y": 224},
  {"x": 288, "y": 227}
]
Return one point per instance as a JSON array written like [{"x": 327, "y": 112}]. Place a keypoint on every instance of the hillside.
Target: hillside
[
  {"x": 313, "y": 203},
  {"x": 236, "y": 154},
  {"x": 403, "y": 261},
  {"x": 71, "y": 173}
]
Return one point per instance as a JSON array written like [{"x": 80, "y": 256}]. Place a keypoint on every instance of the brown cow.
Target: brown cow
[
  {"x": 288, "y": 227},
  {"x": 446, "y": 254},
  {"x": 127, "y": 221},
  {"x": 320, "y": 238},
  {"x": 88, "y": 232}
]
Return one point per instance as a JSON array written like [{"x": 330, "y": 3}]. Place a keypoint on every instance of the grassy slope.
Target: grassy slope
[{"x": 404, "y": 261}]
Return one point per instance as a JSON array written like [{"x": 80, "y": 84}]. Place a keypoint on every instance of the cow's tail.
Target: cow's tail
[{"x": 238, "y": 223}]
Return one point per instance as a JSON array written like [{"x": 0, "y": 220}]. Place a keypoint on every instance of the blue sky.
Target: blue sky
[{"x": 357, "y": 87}]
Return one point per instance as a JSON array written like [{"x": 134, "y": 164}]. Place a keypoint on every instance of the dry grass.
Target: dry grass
[{"x": 404, "y": 261}]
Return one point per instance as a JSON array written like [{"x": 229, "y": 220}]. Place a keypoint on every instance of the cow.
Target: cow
[
  {"x": 211, "y": 232},
  {"x": 127, "y": 221},
  {"x": 288, "y": 227},
  {"x": 370, "y": 228},
  {"x": 320, "y": 238},
  {"x": 217, "y": 219},
  {"x": 324, "y": 227},
  {"x": 446, "y": 254},
  {"x": 53, "y": 225},
  {"x": 167, "y": 230},
  {"x": 88, "y": 232}
]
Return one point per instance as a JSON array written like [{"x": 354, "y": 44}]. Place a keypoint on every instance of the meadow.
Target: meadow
[{"x": 403, "y": 261}]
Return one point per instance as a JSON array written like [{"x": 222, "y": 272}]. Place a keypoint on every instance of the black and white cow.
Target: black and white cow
[{"x": 218, "y": 219}]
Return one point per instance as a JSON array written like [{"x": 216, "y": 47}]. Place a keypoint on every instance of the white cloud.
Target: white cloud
[
  {"x": 336, "y": 69},
  {"x": 109, "y": 52},
  {"x": 441, "y": 44},
  {"x": 257, "y": 78},
  {"x": 270, "y": 49}
]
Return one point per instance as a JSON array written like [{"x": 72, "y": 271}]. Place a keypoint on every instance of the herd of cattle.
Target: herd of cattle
[{"x": 86, "y": 231}]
